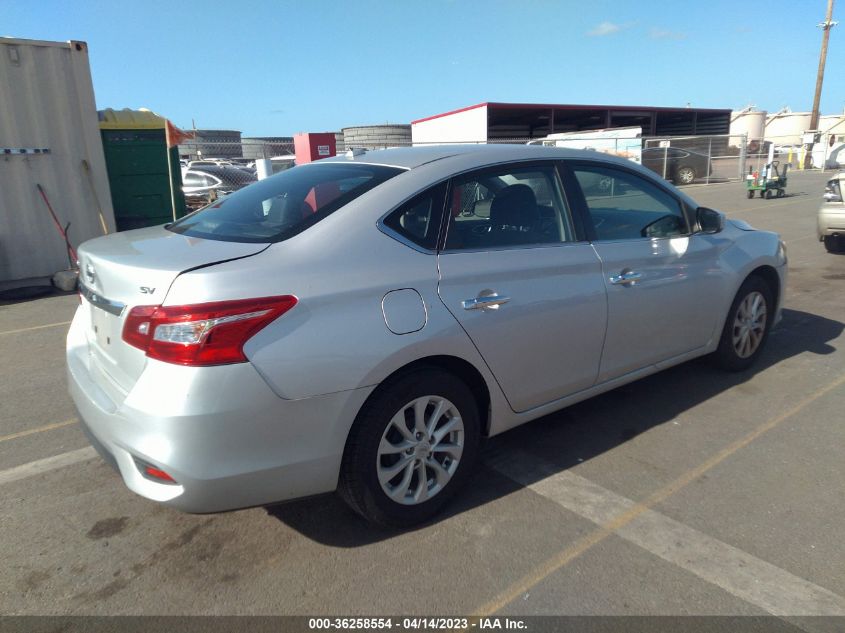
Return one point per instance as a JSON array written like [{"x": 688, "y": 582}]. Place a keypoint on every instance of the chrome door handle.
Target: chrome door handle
[
  {"x": 626, "y": 277},
  {"x": 489, "y": 301}
]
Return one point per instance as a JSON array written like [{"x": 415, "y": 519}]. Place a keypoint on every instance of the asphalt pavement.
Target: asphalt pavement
[{"x": 691, "y": 492}]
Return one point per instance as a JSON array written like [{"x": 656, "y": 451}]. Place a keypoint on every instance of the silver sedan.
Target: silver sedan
[{"x": 361, "y": 323}]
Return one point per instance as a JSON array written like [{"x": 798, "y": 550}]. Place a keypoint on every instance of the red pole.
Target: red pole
[{"x": 71, "y": 252}]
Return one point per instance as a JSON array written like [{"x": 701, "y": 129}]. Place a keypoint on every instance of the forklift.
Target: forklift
[{"x": 767, "y": 185}]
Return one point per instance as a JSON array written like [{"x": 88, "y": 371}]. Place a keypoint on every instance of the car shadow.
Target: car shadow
[
  {"x": 713, "y": 180},
  {"x": 787, "y": 194},
  {"x": 26, "y": 294},
  {"x": 578, "y": 433}
]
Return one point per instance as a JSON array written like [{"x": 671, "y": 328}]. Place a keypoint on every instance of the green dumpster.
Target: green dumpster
[{"x": 137, "y": 162}]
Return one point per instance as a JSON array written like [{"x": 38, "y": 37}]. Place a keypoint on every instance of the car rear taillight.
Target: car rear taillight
[{"x": 204, "y": 333}]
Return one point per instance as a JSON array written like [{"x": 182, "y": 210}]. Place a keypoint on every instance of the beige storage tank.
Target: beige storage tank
[
  {"x": 748, "y": 122},
  {"x": 786, "y": 127},
  {"x": 834, "y": 123}
]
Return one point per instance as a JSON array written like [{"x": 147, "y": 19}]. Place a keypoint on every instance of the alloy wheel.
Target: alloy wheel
[
  {"x": 749, "y": 324},
  {"x": 420, "y": 450},
  {"x": 686, "y": 175}
]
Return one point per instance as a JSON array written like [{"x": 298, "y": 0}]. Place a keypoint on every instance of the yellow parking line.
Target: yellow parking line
[
  {"x": 35, "y": 327},
  {"x": 584, "y": 543},
  {"x": 40, "y": 429}
]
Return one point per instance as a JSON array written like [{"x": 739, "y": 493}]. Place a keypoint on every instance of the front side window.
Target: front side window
[
  {"x": 509, "y": 206},
  {"x": 625, "y": 206},
  {"x": 279, "y": 207}
]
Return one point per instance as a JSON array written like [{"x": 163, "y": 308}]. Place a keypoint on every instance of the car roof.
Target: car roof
[
  {"x": 432, "y": 163},
  {"x": 218, "y": 170},
  {"x": 413, "y": 157}
]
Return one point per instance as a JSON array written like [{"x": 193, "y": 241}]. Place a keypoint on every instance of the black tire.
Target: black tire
[
  {"x": 685, "y": 175},
  {"x": 726, "y": 356},
  {"x": 769, "y": 194},
  {"x": 359, "y": 485},
  {"x": 750, "y": 193},
  {"x": 781, "y": 193},
  {"x": 833, "y": 243},
  {"x": 762, "y": 192}
]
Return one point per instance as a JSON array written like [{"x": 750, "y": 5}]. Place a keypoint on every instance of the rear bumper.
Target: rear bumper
[
  {"x": 220, "y": 432},
  {"x": 831, "y": 220}
]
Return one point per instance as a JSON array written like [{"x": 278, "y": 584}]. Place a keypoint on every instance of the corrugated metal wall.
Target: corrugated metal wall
[
  {"x": 47, "y": 101},
  {"x": 376, "y": 136}
]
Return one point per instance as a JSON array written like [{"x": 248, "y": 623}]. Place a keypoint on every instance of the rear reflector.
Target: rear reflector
[
  {"x": 202, "y": 334},
  {"x": 152, "y": 472},
  {"x": 157, "y": 473}
]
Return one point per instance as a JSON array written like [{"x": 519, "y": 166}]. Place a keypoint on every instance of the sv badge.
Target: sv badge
[{"x": 147, "y": 290}]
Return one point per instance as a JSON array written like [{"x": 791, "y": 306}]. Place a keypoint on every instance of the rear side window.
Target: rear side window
[
  {"x": 283, "y": 205},
  {"x": 193, "y": 179},
  {"x": 507, "y": 206},
  {"x": 418, "y": 220}
]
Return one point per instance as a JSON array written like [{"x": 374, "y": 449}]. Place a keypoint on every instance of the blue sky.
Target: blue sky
[{"x": 278, "y": 67}]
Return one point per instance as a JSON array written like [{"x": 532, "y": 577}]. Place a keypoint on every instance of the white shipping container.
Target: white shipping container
[
  {"x": 468, "y": 125},
  {"x": 625, "y": 142},
  {"x": 47, "y": 104}
]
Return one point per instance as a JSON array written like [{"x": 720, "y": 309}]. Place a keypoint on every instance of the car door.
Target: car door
[
  {"x": 528, "y": 293},
  {"x": 660, "y": 278}
]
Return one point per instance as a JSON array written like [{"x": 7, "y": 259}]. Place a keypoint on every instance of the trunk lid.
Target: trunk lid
[{"x": 120, "y": 271}]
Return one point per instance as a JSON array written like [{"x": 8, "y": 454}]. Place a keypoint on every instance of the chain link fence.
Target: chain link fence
[
  {"x": 826, "y": 152},
  {"x": 213, "y": 168},
  {"x": 683, "y": 160}
]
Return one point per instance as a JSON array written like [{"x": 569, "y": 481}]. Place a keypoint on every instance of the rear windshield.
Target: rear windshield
[{"x": 283, "y": 205}]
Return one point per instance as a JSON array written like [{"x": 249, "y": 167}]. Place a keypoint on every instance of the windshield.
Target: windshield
[{"x": 283, "y": 205}]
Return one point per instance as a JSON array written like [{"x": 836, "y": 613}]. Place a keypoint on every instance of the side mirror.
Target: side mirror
[{"x": 709, "y": 221}]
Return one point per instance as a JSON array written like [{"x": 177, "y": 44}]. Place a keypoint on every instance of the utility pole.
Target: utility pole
[{"x": 814, "y": 117}]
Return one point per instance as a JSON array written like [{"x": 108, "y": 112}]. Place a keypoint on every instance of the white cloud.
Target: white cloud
[
  {"x": 665, "y": 34},
  {"x": 605, "y": 28}
]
